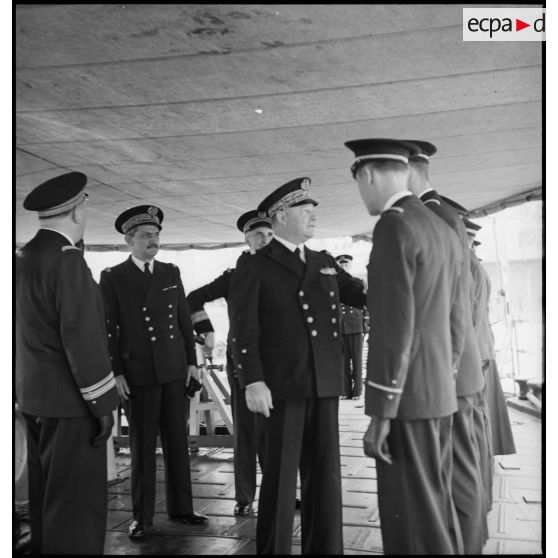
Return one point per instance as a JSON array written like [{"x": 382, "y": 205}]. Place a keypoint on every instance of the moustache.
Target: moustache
[{"x": 153, "y": 246}]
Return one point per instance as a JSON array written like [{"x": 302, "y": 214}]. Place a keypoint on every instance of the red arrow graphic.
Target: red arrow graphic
[{"x": 519, "y": 25}]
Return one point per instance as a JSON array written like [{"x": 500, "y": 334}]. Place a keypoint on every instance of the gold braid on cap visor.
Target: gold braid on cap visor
[
  {"x": 143, "y": 219},
  {"x": 287, "y": 201}
]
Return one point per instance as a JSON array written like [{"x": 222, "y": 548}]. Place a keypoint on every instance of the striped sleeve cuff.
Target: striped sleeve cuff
[
  {"x": 384, "y": 388},
  {"x": 100, "y": 388},
  {"x": 199, "y": 316}
]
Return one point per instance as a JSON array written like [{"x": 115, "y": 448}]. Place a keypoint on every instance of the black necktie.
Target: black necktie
[
  {"x": 298, "y": 255},
  {"x": 146, "y": 268}
]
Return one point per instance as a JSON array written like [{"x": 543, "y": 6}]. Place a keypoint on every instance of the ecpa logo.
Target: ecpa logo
[{"x": 503, "y": 24}]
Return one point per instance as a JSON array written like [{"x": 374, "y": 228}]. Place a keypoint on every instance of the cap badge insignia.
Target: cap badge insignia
[{"x": 152, "y": 211}]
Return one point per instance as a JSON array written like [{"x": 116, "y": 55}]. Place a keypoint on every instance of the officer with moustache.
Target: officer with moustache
[
  {"x": 151, "y": 343},
  {"x": 286, "y": 344},
  {"x": 471, "y": 486},
  {"x": 65, "y": 386},
  {"x": 257, "y": 233},
  {"x": 410, "y": 384}
]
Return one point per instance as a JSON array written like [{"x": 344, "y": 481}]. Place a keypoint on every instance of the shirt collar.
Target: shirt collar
[
  {"x": 292, "y": 247},
  {"x": 59, "y": 232},
  {"x": 396, "y": 197},
  {"x": 141, "y": 264}
]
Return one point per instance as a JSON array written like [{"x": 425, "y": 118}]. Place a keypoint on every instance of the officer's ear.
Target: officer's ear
[
  {"x": 281, "y": 217},
  {"x": 78, "y": 213}
]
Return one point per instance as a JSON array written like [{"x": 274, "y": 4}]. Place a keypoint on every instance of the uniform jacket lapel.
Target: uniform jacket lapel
[
  {"x": 159, "y": 279},
  {"x": 284, "y": 257},
  {"x": 312, "y": 266},
  {"x": 136, "y": 279}
]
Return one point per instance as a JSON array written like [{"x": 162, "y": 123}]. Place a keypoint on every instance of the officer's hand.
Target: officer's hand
[
  {"x": 105, "y": 428},
  {"x": 122, "y": 386},
  {"x": 375, "y": 439},
  {"x": 209, "y": 344},
  {"x": 192, "y": 372},
  {"x": 258, "y": 398}
]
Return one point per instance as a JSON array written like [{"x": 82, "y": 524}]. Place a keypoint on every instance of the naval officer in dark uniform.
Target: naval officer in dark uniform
[
  {"x": 410, "y": 384},
  {"x": 470, "y": 488},
  {"x": 151, "y": 343},
  {"x": 64, "y": 381},
  {"x": 354, "y": 322},
  {"x": 257, "y": 233},
  {"x": 286, "y": 344}
]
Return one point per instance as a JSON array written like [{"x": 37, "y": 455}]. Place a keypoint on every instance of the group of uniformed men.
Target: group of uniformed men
[{"x": 437, "y": 414}]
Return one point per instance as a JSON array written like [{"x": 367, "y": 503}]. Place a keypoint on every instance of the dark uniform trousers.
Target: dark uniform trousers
[
  {"x": 61, "y": 522},
  {"x": 288, "y": 447},
  {"x": 467, "y": 486},
  {"x": 151, "y": 409},
  {"x": 484, "y": 439},
  {"x": 246, "y": 444},
  {"x": 245, "y": 439},
  {"x": 352, "y": 346},
  {"x": 421, "y": 451},
  {"x": 469, "y": 433}
]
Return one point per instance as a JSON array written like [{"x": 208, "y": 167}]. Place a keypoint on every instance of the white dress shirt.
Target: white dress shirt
[
  {"x": 141, "y": 264},
  {"x": 292, "y": 247}
]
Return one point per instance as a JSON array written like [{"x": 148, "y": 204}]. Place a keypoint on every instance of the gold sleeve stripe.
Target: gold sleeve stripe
[
  {"x": 199, "y": 317},
  {"x": 384, "y": 388},
  {"x": 96, "y": 390}
]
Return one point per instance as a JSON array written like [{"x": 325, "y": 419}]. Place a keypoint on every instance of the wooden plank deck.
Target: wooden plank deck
[{"x": 515, "y": 522}]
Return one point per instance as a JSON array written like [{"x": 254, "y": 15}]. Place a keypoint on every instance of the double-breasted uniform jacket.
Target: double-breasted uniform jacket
[
  {"x": 469, "y": 377},
  {"x": 62, "y": 362},
  {"x": 151, "y": 338},
  {"x": 413, "y": 281},
  {"x": 481, "y": 296},
  {"x": 284, "y": 321}
]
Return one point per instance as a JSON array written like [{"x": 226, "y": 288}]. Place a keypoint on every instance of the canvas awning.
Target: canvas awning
[{"x": 204, "y": 109}]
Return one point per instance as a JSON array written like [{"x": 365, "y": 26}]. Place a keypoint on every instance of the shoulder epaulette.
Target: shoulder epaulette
[
  {"x": 108, "y": 269},
  {"x": 395, "y": 209},
  {"x": 66, "y": 248}
]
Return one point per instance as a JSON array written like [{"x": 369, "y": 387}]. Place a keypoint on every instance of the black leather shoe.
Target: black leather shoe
[
  {"x": 243, "y": 509},
  {"x": 136, "y": 530},
  {"x": 191, "y": 518},
  {"x": 297, "y": 503}
]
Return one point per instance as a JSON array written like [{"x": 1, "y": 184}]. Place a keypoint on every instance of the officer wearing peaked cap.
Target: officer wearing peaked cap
[
  {"x": 151, "y": 344},
  {"x": 65, "y": 386},
  {"x": 471, "y": 483},
  {"x": 257, "y": 233},
  {"x": 501, "y": 437},
  {"x": 354, "y": 324},
  {"x": 285, "y": 338},
  {"x": 410, "y": 388}
]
